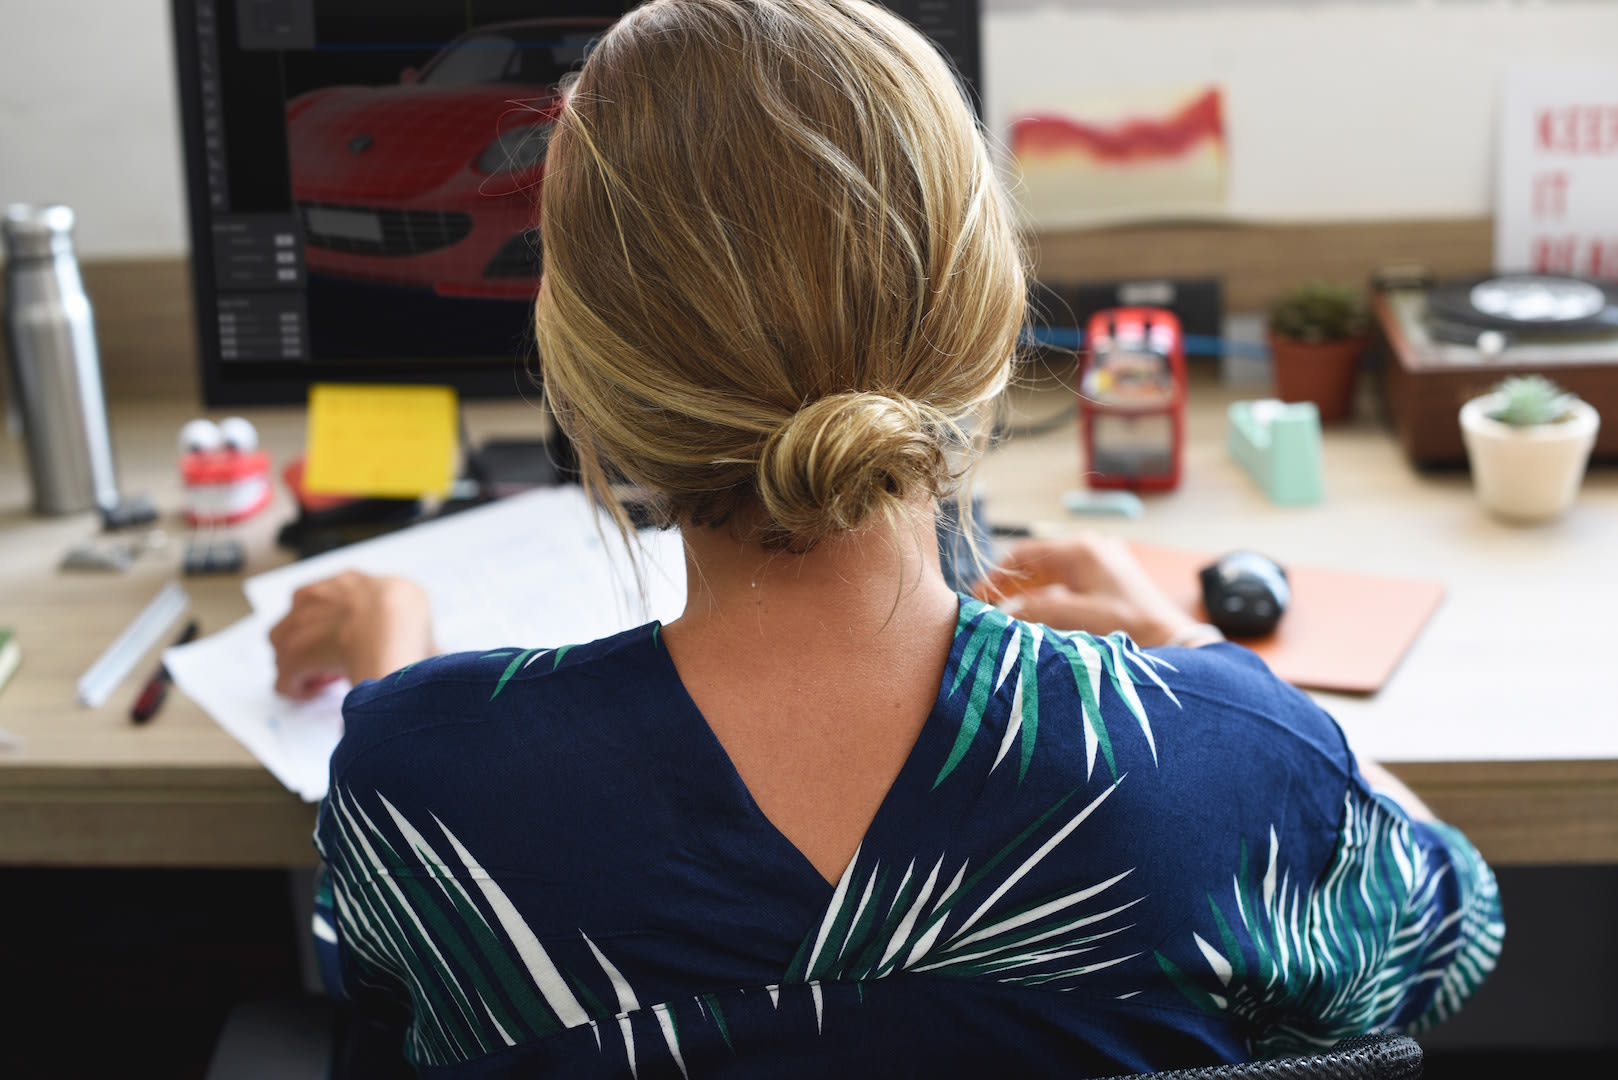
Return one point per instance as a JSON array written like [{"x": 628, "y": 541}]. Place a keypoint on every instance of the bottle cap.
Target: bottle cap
[{"x": 37, "y": 232}]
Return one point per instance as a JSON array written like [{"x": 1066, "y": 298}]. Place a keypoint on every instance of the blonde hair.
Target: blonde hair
[{"x": 779, "y": 267}]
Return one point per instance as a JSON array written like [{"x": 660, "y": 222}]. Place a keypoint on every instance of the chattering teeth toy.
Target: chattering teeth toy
[
  {"x": 227, "y": 480},
  {"x": 226, "y": 475}
]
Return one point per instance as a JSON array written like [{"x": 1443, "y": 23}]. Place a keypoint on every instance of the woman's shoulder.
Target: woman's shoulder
[
  {"x": 442, "y": 696},
  {"x": 1093, "y": 673},
  {"x": 1225, "y": 690},
  {"x": 1062, "y": 703},
  {"x": 1222, "y": 698},
  {"x": 1213, "y": 744},
  {"x": 1211, "y": 723}
]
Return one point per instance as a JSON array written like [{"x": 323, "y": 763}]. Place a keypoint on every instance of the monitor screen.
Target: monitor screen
[{"x": 363, "y": 178}]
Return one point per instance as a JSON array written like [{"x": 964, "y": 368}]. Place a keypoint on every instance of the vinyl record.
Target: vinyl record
[{"x": 1543, "y": 304}]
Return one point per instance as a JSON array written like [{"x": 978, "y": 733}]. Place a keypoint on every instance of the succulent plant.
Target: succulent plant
[
  {"x": 1529, "y": 400},
  {"x": 1319, "y": 311}
]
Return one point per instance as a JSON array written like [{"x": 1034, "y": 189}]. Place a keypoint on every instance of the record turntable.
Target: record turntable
[{"x": 1450, "y": 342}]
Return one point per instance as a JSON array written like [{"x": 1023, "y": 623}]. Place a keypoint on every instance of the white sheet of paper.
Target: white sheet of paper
[
  {"x": 531, "y": 570},
  {"x": 231, "y": 674}
]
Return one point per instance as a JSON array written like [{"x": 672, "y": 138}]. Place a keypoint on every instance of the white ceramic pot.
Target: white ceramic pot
[{"x": 1527, "y": 473}]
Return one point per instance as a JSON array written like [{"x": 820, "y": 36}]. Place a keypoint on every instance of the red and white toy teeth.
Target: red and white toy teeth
[{"x": 226, "y": 475}]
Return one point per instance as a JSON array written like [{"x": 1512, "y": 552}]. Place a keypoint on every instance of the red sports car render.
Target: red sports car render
[{"x": 434, "y": 182}]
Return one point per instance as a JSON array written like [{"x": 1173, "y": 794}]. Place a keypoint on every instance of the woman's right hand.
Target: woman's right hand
[
  {"x": 1092, "y": 583},
  {"x": 354, "y": 626}
]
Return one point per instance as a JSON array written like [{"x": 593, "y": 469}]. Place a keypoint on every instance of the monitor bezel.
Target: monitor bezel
[
  {"x": 513, "y": 378},
  {"x": 517, "y": 377}
]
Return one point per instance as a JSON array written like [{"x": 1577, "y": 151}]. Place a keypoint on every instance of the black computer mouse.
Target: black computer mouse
[{"x": 1245, "y": 594}]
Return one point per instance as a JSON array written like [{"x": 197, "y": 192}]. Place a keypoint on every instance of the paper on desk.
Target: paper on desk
[
  {"x": 530, "y": 570},
  {"x": 534, "y": 569},
  {"x": 231, "y": 675}
]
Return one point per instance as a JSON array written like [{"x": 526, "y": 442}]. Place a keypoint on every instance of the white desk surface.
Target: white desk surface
[{"x": 1517, "y": 663}]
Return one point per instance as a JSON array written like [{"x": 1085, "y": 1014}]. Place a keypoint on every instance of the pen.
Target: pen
[{"x": 157, "y": 687}]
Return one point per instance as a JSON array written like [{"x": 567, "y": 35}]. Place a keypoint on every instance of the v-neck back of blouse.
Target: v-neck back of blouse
[
  {"x": 716, "y": 765},
  {"x": 548, "y": 858}
]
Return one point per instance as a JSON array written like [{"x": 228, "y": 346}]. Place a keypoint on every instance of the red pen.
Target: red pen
[{"x": 157, "y": 687}]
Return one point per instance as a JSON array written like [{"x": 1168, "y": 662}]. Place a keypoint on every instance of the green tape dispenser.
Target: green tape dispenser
[{"x": 1278, "y": 443}]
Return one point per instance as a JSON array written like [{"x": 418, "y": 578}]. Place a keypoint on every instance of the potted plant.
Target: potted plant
[
  {"x": 1317, "y": 333},
  {"x": 1528, "y": 441}
]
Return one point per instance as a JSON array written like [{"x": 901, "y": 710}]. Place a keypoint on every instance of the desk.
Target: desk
[
  {"x": 1504, "y": 715},
  {"x": 88, "y": 788}
]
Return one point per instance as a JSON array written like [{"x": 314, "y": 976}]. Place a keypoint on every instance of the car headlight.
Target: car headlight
[{"x": 517, "y": 150}]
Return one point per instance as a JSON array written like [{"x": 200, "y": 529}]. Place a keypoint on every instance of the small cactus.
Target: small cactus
[
  {"x": 1319, "y": 311},
  {"x": 1530, "y": 400}
]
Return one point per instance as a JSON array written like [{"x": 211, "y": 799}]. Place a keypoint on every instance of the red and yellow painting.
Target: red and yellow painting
[{"x": 1123, "y": 156}]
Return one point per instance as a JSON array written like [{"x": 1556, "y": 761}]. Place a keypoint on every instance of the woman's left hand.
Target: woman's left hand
[{"x": 355, "y": 626}]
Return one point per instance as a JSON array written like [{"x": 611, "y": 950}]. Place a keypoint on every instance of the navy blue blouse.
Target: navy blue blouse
[{"x": 1096, "y": 859}]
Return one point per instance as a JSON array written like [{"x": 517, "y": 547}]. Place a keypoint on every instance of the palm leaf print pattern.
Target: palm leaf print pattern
[
  {"x": 880, "y": 923},
  {"x": 1348, "y": 950},
  {"x": 940, "y": 914},
  {"x": 478, "y": 977},
  {"x": 417, "y": 911},
  {"x": 997, "y": 645},
  {"x": 520, "y": 660}
]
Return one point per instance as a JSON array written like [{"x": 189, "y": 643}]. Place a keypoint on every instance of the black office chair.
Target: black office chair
[
  {"x": 278, "y": 1040},
  {"x": 305, "y": 1038},
  {"x": 1377, "y": 1056}
]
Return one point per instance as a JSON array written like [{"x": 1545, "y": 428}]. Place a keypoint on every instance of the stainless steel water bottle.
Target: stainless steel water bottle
[{"x": 55, "y": 367}]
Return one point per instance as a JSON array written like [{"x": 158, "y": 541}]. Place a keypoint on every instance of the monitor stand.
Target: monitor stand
[
  {"x": 505, "y": 466},
  {"x": 315, "y": 532}
]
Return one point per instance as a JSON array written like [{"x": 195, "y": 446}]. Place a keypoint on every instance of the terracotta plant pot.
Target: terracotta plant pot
[
  {"x": 1322, "y": 372},
  {"x": 1532, "y": 473}
]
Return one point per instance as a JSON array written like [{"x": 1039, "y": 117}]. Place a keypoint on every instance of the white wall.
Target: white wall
[
  {"x": 88, "y": 117},
  {"x": 1336, "y": 110}
]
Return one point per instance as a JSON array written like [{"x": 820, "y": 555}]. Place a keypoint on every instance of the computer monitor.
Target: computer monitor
[{"x": 363, "y": 178}]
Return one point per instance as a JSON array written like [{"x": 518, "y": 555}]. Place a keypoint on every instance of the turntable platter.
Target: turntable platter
[
  {"x": 1542, "y": 326},
  {"x": 1538, "y": 304}
]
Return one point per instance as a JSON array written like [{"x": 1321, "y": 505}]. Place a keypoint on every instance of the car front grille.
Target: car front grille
[
  {"x": 395, "y": 232},
  {"x": 519, "y": 257}
]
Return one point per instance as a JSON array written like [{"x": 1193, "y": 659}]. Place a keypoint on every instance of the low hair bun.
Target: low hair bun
[
  {"x": 790, "y": 349},
  {"x": 848, "y": 459}
]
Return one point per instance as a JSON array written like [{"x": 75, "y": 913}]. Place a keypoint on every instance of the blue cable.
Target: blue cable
[{"x": 1068, "y": 337}]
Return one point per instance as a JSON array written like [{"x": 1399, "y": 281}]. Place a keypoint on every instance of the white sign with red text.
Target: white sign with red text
[{"x": 1556, "y": 206}]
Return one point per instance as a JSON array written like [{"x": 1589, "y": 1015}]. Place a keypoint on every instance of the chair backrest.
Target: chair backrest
[{"x": 1378, "y": 1056}]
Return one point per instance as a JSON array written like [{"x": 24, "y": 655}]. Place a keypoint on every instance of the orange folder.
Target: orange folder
[{"x": 1343, "y": 632}]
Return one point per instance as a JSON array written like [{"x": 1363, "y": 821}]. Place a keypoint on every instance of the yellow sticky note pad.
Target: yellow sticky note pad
[{"x": 382, "y": 441}]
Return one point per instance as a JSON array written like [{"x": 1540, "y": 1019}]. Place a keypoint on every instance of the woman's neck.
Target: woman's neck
[
  {"x": 854, "y": 585},
  {"x": 816, "y": 671}
]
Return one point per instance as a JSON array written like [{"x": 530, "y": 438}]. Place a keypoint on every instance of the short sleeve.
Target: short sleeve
[
  {"x": 352, "y": 968},
  {"x": 354, "y": 965},
  {"x": 328, "y": 949},
  {"x": 338, "y": 970},
  {"x": 1418, "y": 910},
  {"x": 1340, "y": 914},
  {"x": 1396, "y": 932},
  {"x": 1480, "y": 929}
]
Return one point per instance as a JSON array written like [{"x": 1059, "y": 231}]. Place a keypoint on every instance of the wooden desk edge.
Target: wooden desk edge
[
  {"x": 1525, "y": 813},
  {"x": 84, "y": 817},
  {"x": 1531, "y": 813}
]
